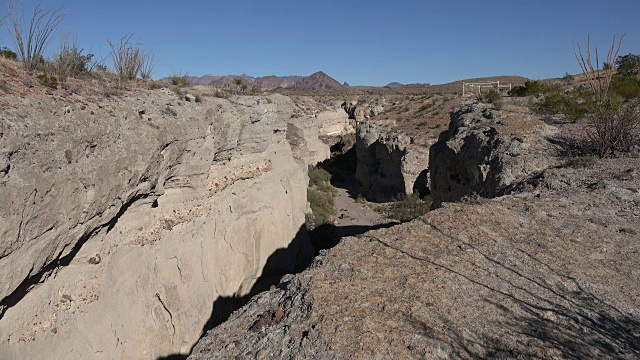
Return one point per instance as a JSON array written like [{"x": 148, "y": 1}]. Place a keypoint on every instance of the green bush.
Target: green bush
[
  {"x": 628, "y": 65},
  {"x": 567, "y": 78},
  {"x": 48, "y": 81},
  {"x": 410, "y": 207},
  {"x": 6, "y": 53},
  {"x": 531, "y": 87},
  {"x": 625, "y": 87},
  {"x": 492, "y": 96},
  {"x": 181, "y": 81},
  {"x": 574, "y": 105},
  {"x": 318, "y": 176},
  {"x": 321, "y": 195},
  {"x": 69, "y": 61}
]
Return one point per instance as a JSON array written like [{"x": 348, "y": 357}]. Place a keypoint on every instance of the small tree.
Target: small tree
[
  {"x": 628, "y": 65},
  {"x": 31, "y": 38}
]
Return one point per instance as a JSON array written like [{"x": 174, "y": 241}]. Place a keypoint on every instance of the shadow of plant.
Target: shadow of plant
[{"x": 540, "y": 317}]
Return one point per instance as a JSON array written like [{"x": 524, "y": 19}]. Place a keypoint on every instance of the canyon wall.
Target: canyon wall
[
  {"x": 486, "y": 152},
  {"x": 389, "y": 164},
  {"x": 126, "y": 221}
]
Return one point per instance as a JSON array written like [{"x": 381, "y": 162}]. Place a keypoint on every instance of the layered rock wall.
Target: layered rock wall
[{"x": 125, "y": 223}]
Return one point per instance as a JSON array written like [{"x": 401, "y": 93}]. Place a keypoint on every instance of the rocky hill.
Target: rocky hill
[
  {"x": 393, "y": 85},
  {"x": 318, "y": 81}
]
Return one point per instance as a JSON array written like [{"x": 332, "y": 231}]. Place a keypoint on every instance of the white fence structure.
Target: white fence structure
[{"x": 475, "y": 88}]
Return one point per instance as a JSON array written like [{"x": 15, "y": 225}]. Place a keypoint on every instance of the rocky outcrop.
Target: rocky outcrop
[
  {"x": 549, "y": 274},
  {"x": 486, "y": 151},
  {"x": 361, "y": 111},
  {"x": 389, "y": 164},
  {"x": 127, "y": 226}
]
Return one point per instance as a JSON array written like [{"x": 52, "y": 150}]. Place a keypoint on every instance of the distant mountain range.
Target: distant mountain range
[{"x": 316, "y": 81}]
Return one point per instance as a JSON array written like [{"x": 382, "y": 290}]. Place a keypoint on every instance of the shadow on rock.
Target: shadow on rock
[{"x": 542, "y": 318}]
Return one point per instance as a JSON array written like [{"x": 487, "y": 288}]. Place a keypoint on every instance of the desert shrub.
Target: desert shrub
[
  {"x": 154, "y": 85},
  {"x": 410, "y": 207},
  {"x": 530, "y": 87},
  {"x": 568, "y": 77},
  {"x": 178, "y": 78},
  {"x": 6, "y": 53},
  {"x": 198, "y": 98},
  {"x": 318, "y": 176},
  {"x": 148, "y": 66},
  {"x": 48, "y": 81},
  {"x": 625, "y": 87},
  {"x": 108, "y": 91},
  {"x": 560, "y": 103},
  {"x": 519, "y": 91},
  {"x": 612, "y": 126},
  {"x": 361, "y": 199},
  {"x": 492, "y": 96},
  {"x": 31, "y": 35},
  {"x": 181, "y": 81},
  {"x": 628, "y": 65},
  {"x": 220, "y": 94},
  {"x": 128, "y": 58},
  {"x": 69, "y": 60},
  {"x": 320, "y": 195}
]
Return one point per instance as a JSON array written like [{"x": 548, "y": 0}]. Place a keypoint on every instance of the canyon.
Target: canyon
[{"x": 150, "y": 225}]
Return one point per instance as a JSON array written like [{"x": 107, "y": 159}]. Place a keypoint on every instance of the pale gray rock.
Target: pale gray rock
[
  {"x": 123, "y": 222},
  {"x": 485, "y": 155}
]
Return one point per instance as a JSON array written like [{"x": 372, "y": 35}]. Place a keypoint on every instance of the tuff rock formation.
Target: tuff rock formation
[
  {"x": 390, "y": 165},
  {"x": 129, "y": 225},
  {"x": 486, "y": 151}
]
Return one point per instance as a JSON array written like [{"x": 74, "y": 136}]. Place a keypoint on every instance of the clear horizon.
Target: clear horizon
[{"x": 360, "y": 42}]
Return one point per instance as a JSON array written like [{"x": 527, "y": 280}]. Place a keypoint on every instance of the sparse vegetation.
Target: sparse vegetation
[
  {"x": 613, "y": 125},
  {"x": 8, "y": 54},
  {"x": 32, "y": 37},
  {"x": 574, "y": 105},
  {"x": 49, "y": 81},
  {"x": 320, "y": 195},
  {"x": 530, "y": 87},
  {"x": 361, "y": 199},
  {"x": 128, "y": 59},
  {"x": 568, "y": 78},
  {"x": 68, "y": 60},
  {"x": 410, "y": 207},
  {"x": 178, "y": 78}
]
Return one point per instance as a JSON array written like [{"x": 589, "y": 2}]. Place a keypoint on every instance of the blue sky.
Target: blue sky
[{"x": 362, "y": 42}]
